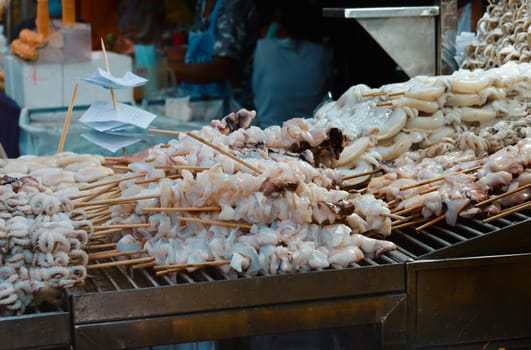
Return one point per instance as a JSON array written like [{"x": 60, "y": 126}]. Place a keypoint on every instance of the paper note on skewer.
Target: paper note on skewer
[
  {"x": 102, "y": 116},
  {"x": 110, "y": 142},
  {"x": 109, "y": 81}
]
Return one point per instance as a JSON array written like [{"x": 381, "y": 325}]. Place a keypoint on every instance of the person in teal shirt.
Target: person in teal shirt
[{"x": 292, "y": 64}]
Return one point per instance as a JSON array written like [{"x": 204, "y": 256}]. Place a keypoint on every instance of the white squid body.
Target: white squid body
[
  {"x": 421, "y": 105},
  {"x": 361, "y": 166},
  {"x": 468, "y": 84},
  {"x": 391, "y": 149},
  {"x": 433, "y": 122},
  {"x": 397, "y": 120},
  {"x": 352, "y": 152},
  {"x": 437, "y": 136}
]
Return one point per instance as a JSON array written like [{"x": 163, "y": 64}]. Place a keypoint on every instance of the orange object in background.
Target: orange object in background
[
  {"x": 32, "y": 38},
  {"x": 68, "y": 11},
  {"x": 102, "y": 16},
  {"x": 43, "y": 18},
  {"x": 24, "y": 50}
]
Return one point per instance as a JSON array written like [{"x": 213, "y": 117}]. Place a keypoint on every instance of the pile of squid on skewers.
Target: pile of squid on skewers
[
  {"x": 64, "y": 172},
  {"x": 457, "y": 184},
  {"x": 223, "y": 195},
  {"x": 502, "y": 35},
  {"x": 40, "y": 245},
  {"x": 426, "y": 112}
]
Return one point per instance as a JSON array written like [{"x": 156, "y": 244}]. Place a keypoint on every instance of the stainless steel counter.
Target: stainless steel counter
[{"x": 418, "y": 38}]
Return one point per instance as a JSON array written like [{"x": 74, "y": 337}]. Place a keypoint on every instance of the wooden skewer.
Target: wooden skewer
[
  {"x": 96, "y": 216},
  {"x": 89, "y": 193},
  {"x": 106, "y": 60},
  {"x": 395, "y": 217},
  {"x": 120, "y": 262},
  {"x": 116, "y": 159},
  {"x": 141, "y": 266},
  {"x": 99, "y": 246},
  {"x": 348, "y": 177},
  {"x": 113, "y": 254},
  {"x": 438, "y": 178},
  {"x": 508, "y": 211},
  {"x": 428, "y": 190},
  {"x": 167, "y": 132},
  {"x": 164, "y": 145},
  {"x": 409, "y": 223},
  {"x": 89, "y": 211},
  {"x": 225, "y": 152},
  {"x": 431, "y": 222},
  {"x": 393, "y": 202},
  {"x": 384, "y": 104},
  {"x": 111, "y": 181},
  {"x": 158, "y": 178},
  {"x": 66, "y": 124},
  {"x": 101, "y": 219},
  {"x": 98, "y": 240},
  {"x": 116, "y": 200},
  {"x": 179, "y": 154},
  {"x": 182, "y": 167},
  {"x": 185, "y": 265},
  {"x": 181, "y": 209},
  {"x": 102, "y": 234},
  {"x": 397, "y": 93},
  {"x": 406, "y": 218},
  {"x": 407, "y": 210},
  {"x": 176, "y": 268},
  {"x": 106, "y": 190},
  {"x": 215, "y": 222},
  {"x": 374, "y": 93},
  {"x": 508, "y": 193},
  {"x": 125, "y": 226},
  {"x": 98, "y": 211},
  {"x": 93, "y": 255}
]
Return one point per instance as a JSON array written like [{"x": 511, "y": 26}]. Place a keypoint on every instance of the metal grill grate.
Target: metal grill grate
[
  {"x": 441, "y": 238},
  {"x": 412, "y": 245}
]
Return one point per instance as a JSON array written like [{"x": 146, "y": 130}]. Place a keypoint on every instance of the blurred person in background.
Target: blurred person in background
[
  {"x": 219, "y": 50},
  {"x": 292, "y": 63}
]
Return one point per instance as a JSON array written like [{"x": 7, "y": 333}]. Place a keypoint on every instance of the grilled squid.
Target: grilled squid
[
  {"x": 361, "y": 166},
  {"x": 352, "y": 152},
  {"x": 421, "y": 105},
  {"x": 397, "y": 120},
  {"x": 470, "y": 85},
  {"x": 437, "y": 136},
  {"x": 470, "y": 114},
  {"x": 433, "y": 122},
  {"x": 391, "y": 149}
]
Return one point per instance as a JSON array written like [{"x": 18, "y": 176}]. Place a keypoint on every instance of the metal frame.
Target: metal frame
[
  {"x": 243, "y": 307},
  {"x": 36, "y": 331},
  {"x": 387, "y": 311},
  {"x": 469, "y": 301},
  {"x": 417, "y": 37}
]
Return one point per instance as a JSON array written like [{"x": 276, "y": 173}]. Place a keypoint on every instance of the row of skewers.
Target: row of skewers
[{"x": 99, "y": 214}]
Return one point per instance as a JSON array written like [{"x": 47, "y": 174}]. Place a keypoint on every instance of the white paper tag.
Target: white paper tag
[
  {"x": 109, "y": 81},
  {"x": 100, "y": 115},
  {"x": 110, "y": 142}
]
